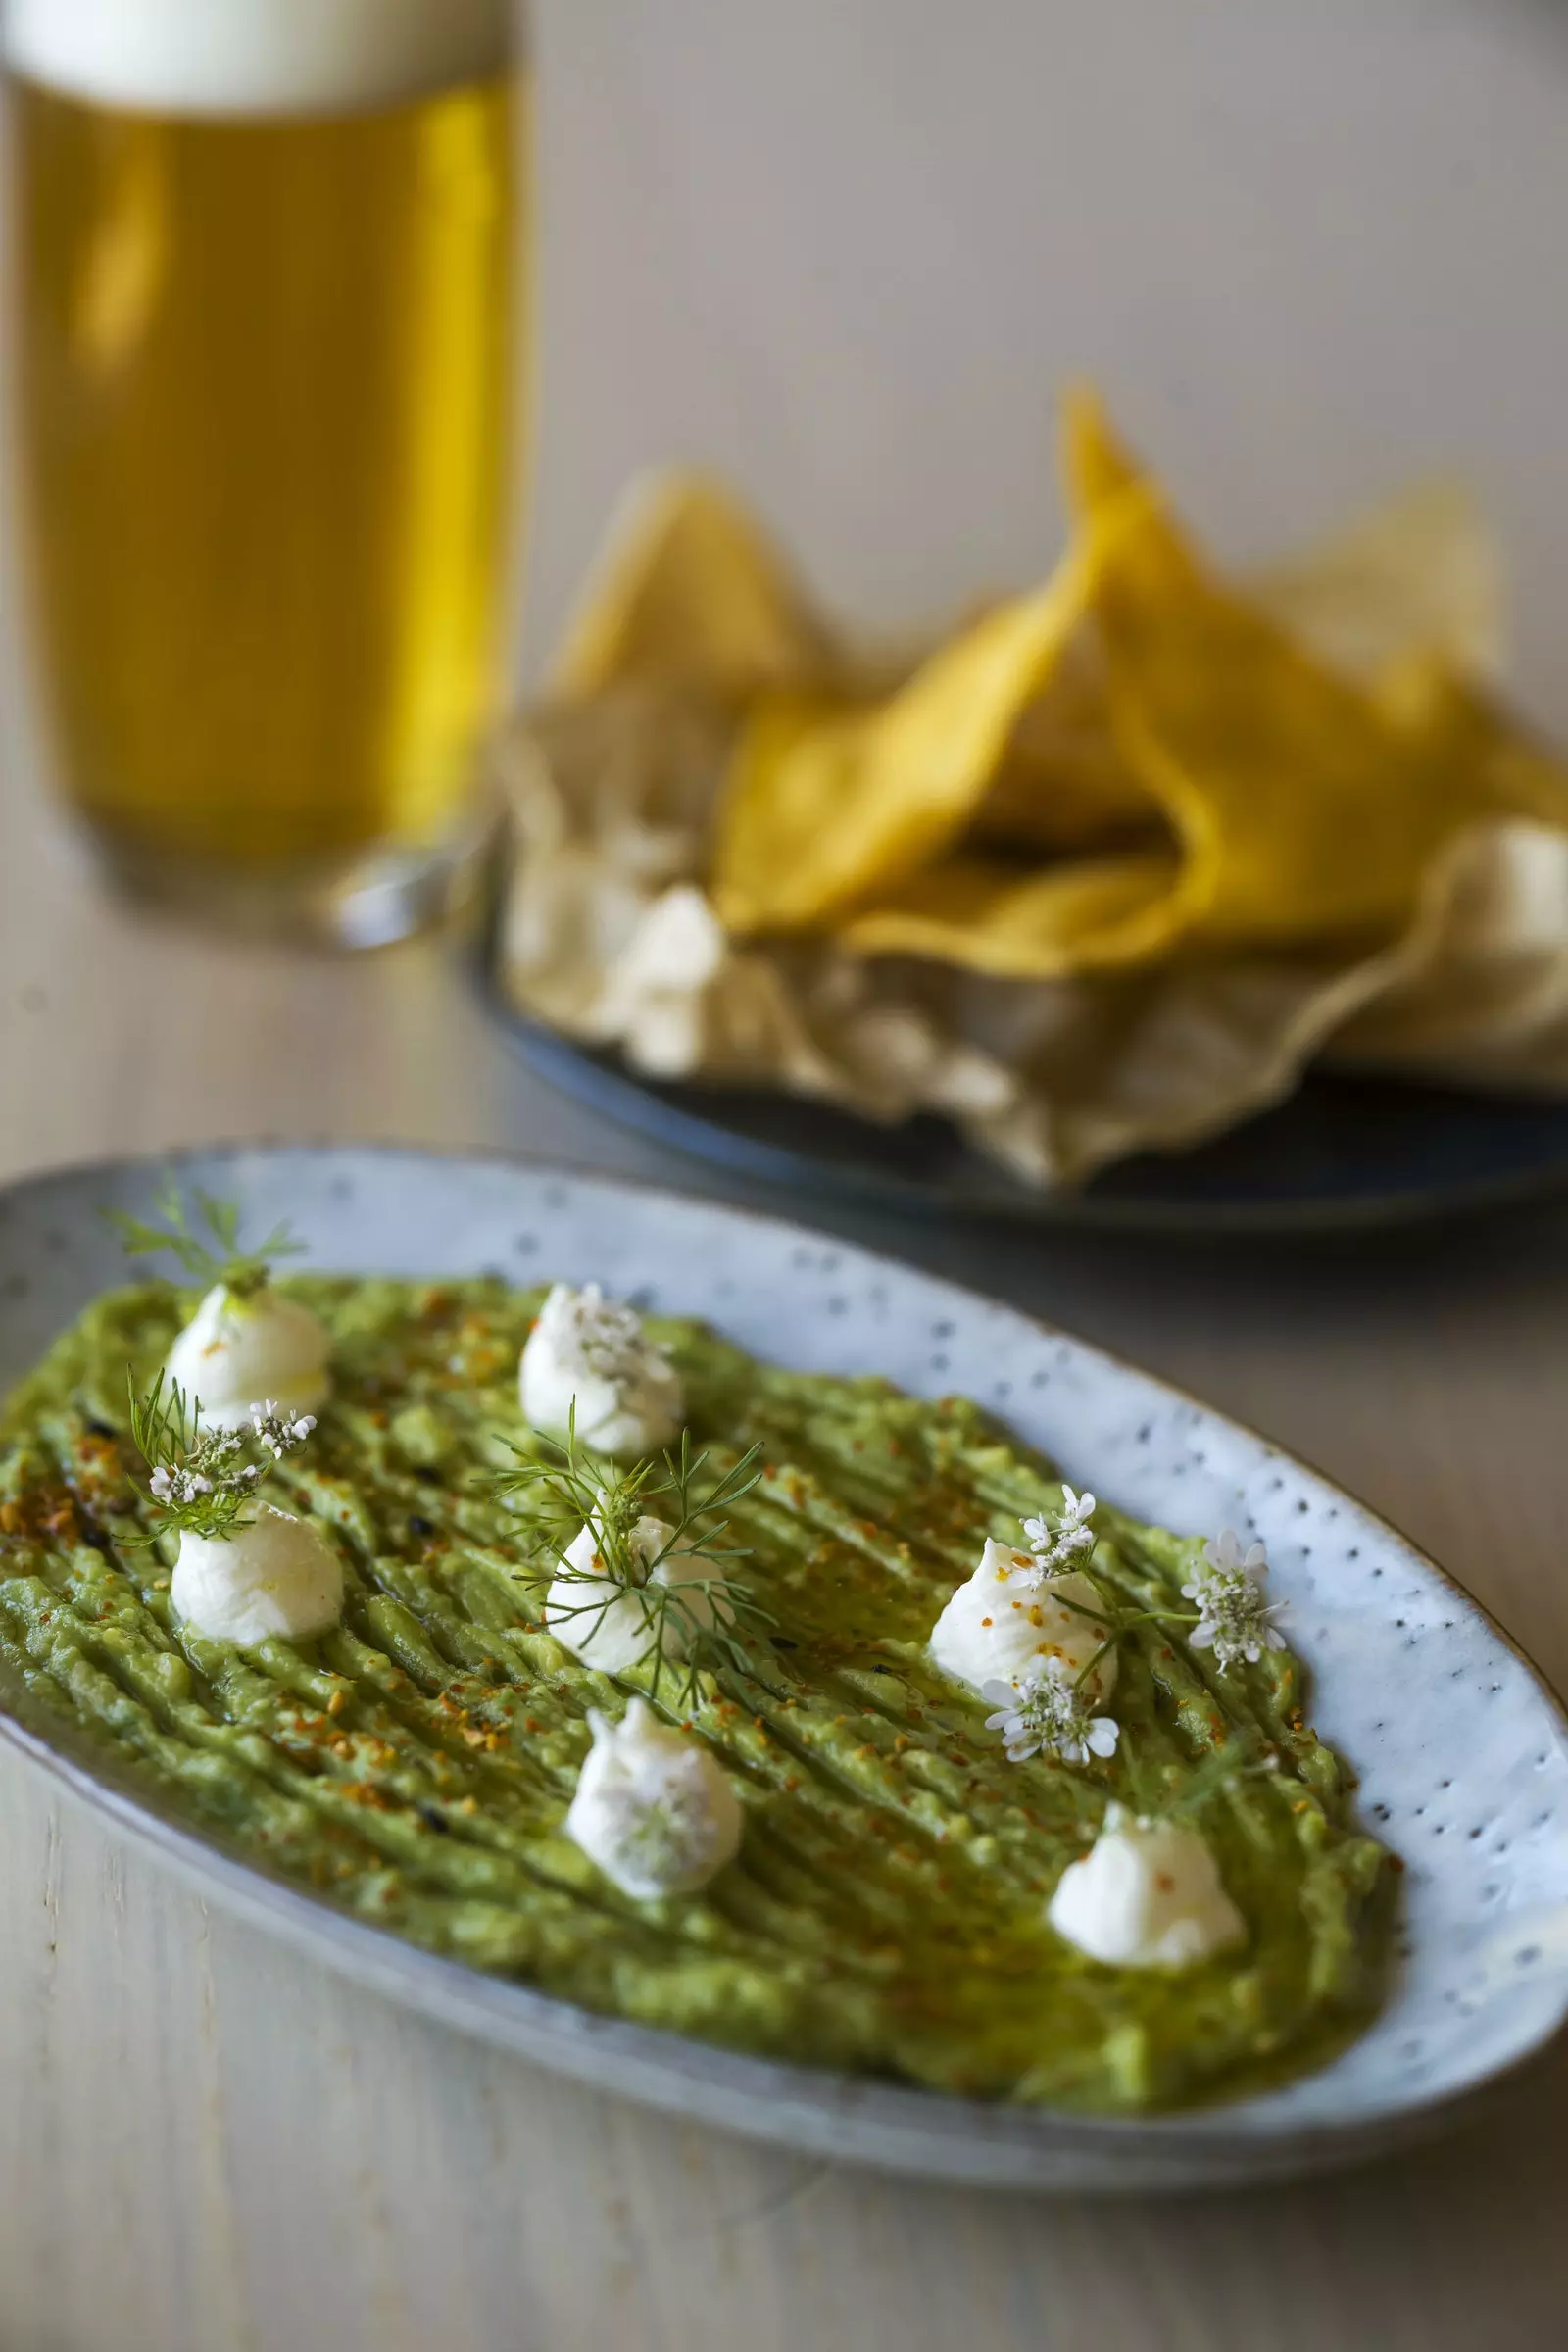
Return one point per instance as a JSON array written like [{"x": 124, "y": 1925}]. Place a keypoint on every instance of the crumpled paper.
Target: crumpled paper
[{"x": 609, "y": 931}]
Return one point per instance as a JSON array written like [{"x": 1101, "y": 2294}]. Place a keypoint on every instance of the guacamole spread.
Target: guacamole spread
[{"x": 886, "y": 1909}]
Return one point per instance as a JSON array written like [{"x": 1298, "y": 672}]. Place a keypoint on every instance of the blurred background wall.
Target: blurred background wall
[{"x": 847, "y": 250}]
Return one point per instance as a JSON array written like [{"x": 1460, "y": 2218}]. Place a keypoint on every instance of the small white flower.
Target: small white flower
[
  {"x": 1234, "y": 1620},
  {"x": 1057, "y": 1538},
  {"x": 277, "y": 1431},
  {"x": 1047, "y": 1711},
  {"x": 1223, "y": 1555},
  {"x": 612, "y": 1337},
  {"x": 608, "y": 1338},
  {"x": 177, "y": 1487},
  {"x": 589, "y": 1362}
]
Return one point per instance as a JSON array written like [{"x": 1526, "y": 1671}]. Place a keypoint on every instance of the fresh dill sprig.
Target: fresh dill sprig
[
  {"x": 205, "y": 1239},
  {"x": 200, "y": 1482},
  {"x": 573, "y": 1489}
]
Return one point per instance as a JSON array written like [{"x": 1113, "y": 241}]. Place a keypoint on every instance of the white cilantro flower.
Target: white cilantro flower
[
  {"x": 277, "y": 1431},
  {"x": 1048, "y": 1712},
  {"x": 195, "y": 1476},
  {"x": 178, "y": 1486},
  {"x": 1057, "y": 1538},
  {"x": 1234, "y": 1620},
  {"x": 611, "y": 1339}
]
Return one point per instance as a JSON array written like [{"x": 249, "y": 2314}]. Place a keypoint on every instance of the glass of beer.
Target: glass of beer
[{"x": 267, "y": 274}]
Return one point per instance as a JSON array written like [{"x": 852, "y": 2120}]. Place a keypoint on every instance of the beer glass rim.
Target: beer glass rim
[{"x": 269, "y": 57}]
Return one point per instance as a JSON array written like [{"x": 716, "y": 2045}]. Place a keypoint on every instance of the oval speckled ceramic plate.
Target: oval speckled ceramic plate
[{"x": 1462, "y": 1751}]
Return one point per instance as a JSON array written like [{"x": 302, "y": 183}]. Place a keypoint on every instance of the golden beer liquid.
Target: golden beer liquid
[{"x": 266, "y": 408}]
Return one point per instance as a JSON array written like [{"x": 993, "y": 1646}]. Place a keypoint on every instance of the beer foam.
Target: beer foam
[{"x": 253, "y": 56}]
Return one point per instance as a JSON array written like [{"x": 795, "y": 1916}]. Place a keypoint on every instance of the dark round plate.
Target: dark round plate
[{"x": 1343, "y": 1154}]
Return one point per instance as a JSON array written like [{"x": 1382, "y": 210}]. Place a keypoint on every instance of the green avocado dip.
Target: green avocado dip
[{"x": 887, "y": 1910}]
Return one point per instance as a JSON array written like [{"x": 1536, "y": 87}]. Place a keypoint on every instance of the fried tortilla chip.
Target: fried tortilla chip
[
  {"x": 1305, "y": 806},
  {"x": 1077, "y": 915},
  {"x": 1100, "y": 874},
  {"x": 1469, "y": 729},
  {"x": 1064, "y": 782},
  {"x": 689, "y": 591},
  {"x": 829, "y": 803},
  {"x": 618, "y": 945},
  {"x": 1418, "y": 578}
]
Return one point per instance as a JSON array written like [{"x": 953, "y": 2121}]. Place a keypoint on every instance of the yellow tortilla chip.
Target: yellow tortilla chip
[
  {"x": 1134, "y": 762},
  {"x": 1472, "y": 732},
  {"x": 688, "y": 591},
  {"x": 1302, "y": 809},
  {"x": 1417, "y": 579},
  {"x": 1306, "y": 812},
  {"x": 826, "y": 805},
  {"x": 1070, "y": 918},
  {"x": 1064, "y": 782},
  {"x": 1305, "y": 806},
  {"x": 1296, "y": 742}
]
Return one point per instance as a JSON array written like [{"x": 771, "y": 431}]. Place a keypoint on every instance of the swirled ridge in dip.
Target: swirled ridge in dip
[{"x": 887, "y": 1910}]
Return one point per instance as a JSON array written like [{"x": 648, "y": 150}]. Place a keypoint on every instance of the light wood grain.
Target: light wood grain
[{"x": 207, "y": 2142}]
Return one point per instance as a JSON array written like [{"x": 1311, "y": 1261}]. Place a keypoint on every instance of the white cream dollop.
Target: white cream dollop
[
  {"x": 587, "y": 1352},
  {"x": 652, "y": 1808},
  {"x": 238, "y": 1352},
  {"x": 273, "y": 1575},
  {"x": 1147, "y": 1895},
  {"x": 613, "y": 1629},
  {"x": 1001, "y": 1626}
]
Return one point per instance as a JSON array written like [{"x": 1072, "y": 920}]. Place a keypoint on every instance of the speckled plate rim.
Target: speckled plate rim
[{"x": 919, "y": 2134}]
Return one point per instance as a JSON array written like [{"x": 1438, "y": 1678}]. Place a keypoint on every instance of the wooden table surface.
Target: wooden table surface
[{"x": 208, "y": 2143}]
